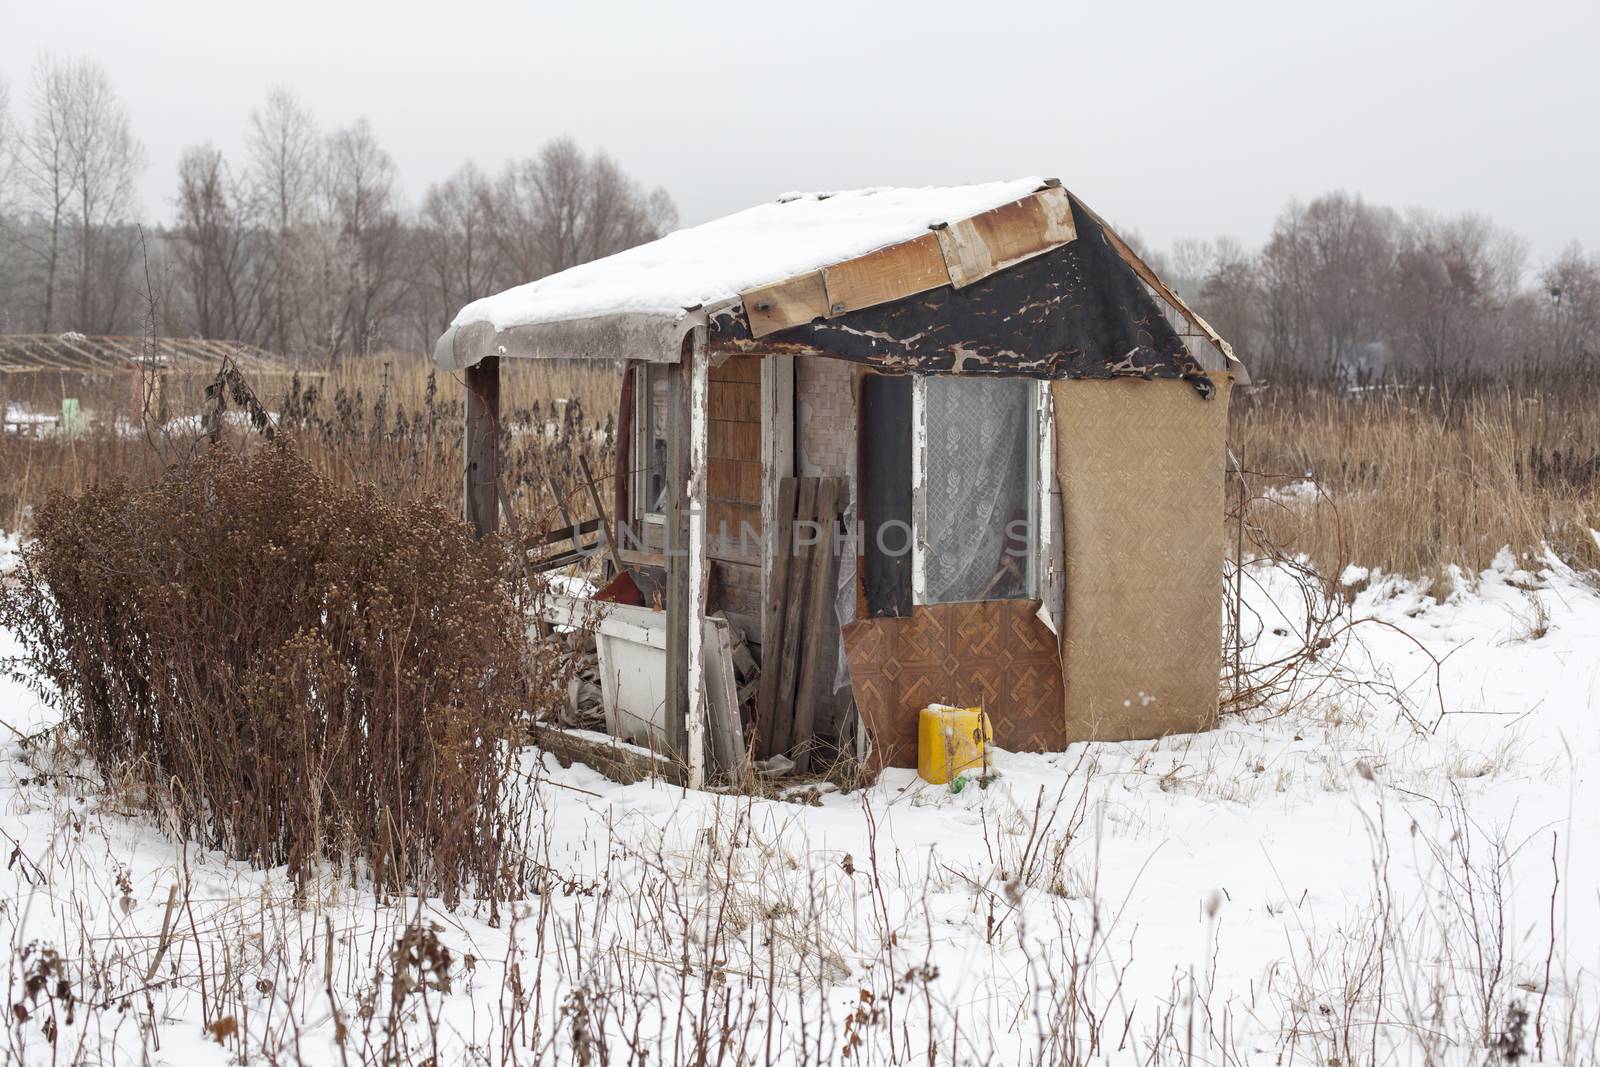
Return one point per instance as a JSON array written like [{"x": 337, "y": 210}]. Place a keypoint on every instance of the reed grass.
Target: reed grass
[{"x": 1412, "y": 480}]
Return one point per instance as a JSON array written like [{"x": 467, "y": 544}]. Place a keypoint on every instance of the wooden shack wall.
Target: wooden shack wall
[
  {"x": 733, "y": 488},
  {"x": 1141, "y": 467}
]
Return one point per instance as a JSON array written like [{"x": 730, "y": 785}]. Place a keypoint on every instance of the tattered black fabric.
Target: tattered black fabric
[{"x": 1077, "y": 311}]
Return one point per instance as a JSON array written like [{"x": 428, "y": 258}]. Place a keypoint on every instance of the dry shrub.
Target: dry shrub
[{"x": 297, "y": 672}]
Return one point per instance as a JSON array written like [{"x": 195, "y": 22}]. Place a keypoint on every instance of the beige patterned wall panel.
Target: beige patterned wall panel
[{"x": 1141, "y": 467}]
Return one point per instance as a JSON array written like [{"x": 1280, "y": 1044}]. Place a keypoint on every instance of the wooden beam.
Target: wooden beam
[
  {"x": 901, "y": 270},
  {"x": 675, "y": 538},
  {"x": 786, "y": 303},
  {"x": 481, "y": 494}
]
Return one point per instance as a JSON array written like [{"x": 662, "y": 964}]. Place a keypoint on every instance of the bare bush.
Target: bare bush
[{"x": 298, "y": 673}]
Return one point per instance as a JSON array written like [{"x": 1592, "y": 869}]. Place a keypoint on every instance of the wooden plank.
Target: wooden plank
[
  {"x": 699, "y": 564},
  {"x": 736, "y": 401},
  {"x": 481, "y": 493},
  {"x": 1000, "y": 237},
  {"x": 617, "y": 760},
  {"x": 819, "y": 599},
  {"x": 900, "y": 270},
  {"x": 736, "y": 439},
  {"x": 794, "y": 612},
  {"x": 772, "y": 623},
  {"x": 600, "y": 513},
  {"x": 777, "y": 461},
  {"x": 676, "y": 534},
  {"x": 587, "y": 526},
  {"x": 722, "y": 702},
  {"x": 784, "y": 304}
]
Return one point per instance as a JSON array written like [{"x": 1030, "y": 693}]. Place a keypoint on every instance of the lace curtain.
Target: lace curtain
[{"x": 978, "y": 482}]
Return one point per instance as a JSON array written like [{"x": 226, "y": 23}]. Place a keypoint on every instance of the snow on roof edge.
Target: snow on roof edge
[{"x": 711, "y": 264}]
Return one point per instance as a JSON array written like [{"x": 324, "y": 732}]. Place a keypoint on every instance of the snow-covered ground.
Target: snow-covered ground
[{"x": 1346, "y": 878}]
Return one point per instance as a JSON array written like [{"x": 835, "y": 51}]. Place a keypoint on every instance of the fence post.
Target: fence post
[{"x": 481, "y": 492}]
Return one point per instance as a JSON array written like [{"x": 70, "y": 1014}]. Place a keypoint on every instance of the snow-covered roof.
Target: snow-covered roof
[{"x": 711, "y": 264}]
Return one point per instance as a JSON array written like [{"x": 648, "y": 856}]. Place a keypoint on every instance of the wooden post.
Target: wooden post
[
  {"x": 686, "y": 555},
  {"x": 699, "y": 560},
  {"x": 482, "y": 492},
  {"x": 777, "y": 463}
]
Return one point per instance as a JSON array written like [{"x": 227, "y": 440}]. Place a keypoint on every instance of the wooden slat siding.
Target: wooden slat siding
[
  {"x": 736, "y": 481},
  {"x": 481, "y": 496},
  {"x": 819, "y": 598},
  {"x": 733, "y": 488},
  {"x": 735, "y": 438},
  {"x": 904, "y": 269},
  {"x": 958, "y": 254},
  {"x": 774, "y": 616}
]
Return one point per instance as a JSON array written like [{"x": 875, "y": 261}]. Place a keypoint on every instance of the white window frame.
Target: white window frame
[{"x": 638, "y": 458}]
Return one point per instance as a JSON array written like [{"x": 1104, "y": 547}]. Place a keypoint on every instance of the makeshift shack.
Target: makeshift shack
[{"x": 910, "y": 446}]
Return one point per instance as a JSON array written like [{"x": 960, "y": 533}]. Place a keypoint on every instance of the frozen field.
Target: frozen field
[{"x": 1383, "y": 870}]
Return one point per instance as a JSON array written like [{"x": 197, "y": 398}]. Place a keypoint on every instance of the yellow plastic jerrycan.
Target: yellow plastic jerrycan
[{"x": 950, "y": 740}]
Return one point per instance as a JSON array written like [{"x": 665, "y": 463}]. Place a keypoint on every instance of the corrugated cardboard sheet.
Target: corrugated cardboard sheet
[
  {"x": 995, "y": 654},
  {"x": 1141, "y": 469}
]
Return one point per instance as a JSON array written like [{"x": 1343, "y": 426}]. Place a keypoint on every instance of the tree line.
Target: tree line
[
  {"x": 303, "y": 245},
  {"x": 1349, "y": 292}
]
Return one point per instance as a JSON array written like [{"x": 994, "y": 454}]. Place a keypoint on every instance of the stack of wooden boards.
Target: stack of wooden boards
[{"x": 796, "y": 613}]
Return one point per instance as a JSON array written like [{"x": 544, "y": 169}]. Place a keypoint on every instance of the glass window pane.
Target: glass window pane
[
  {"x": 979, "y": 491},
  {"x": 654, "y": 460}
]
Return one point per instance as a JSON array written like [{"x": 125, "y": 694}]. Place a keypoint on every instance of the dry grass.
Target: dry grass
[
  {"x": 1415, "y": 483},
  {"x": 391, "y": 421},
  {"x": 1411, "y": 481}
]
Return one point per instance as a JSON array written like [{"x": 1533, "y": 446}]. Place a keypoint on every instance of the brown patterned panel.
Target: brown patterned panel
[{"x": 995, "y": 654}]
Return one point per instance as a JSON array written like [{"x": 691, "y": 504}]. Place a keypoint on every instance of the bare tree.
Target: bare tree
[
  {"x": 360, "y": 197},
  {"x": 1453, "y": 278},
  {"x": 1324, "y": 274},
  {"x": 1571, "y": 298},
  {"x": 47, "y": 177},
  {"x": 8, "y": 147},
  {"x": 216, "y": 248},
  {"x": 102, "y": 159},
  {"x": 285, "y": 160},
  {"x": 454, "y": 260},
  {"x": 562, "y": 208}
]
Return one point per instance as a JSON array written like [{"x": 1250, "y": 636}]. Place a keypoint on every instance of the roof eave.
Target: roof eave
[{"x": 653, "y": 338}]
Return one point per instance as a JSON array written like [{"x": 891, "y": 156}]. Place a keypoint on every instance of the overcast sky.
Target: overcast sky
[{"x": 1174, "y": 119}]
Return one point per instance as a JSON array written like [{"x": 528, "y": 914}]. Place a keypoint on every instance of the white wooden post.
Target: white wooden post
[
  {"x": 1046, "y": 557},
  {"x": 698, "y": 561},
  {"x": 919, "y": 489}
]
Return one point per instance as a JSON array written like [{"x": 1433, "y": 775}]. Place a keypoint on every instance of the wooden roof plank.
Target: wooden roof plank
[
  {"x": 791, "y": 302},
  {"x": 901, "y": 270}
]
